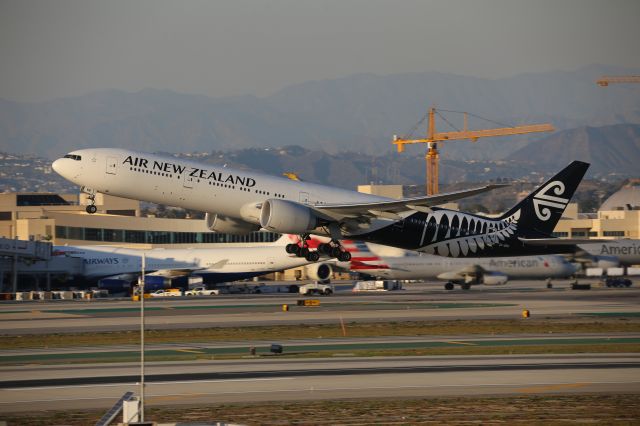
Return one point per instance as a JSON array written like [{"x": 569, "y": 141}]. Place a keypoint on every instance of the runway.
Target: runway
[
  {"x": 280, "y": 380},
  {"x": 51, "y": 379},
  {"x": 419, "y": 302}
]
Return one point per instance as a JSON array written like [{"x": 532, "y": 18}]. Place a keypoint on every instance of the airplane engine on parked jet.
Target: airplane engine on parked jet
[
  {"x": 229, "y": 225},
  {"x": 319, "y": 271},
  {"x": 606, "y": 262},
  {"x": 286, "y": 217},
  {"x": 494, "y": 278}
]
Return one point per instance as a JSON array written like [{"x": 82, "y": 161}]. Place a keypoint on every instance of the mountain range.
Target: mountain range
[{"x": 359, "y": 113}]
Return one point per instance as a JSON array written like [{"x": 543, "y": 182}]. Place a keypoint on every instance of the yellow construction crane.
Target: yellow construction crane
[
  {"x": 292, "y": 176},
  {"x": 604, "y": 81},
  {"x": 432, "y": 156}
]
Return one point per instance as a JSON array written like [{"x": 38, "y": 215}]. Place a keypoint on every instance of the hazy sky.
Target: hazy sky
[{"x": 70, "y": 47}]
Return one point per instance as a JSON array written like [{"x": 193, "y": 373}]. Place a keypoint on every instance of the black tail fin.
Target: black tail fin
[{"x": 540, "y": 211}]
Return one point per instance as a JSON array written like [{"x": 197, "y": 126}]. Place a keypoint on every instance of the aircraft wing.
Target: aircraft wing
[
  {"x": 173, "y": 272},
  {"x": 180, "y": 271},
  {"x": 560, "y": 241},
  {"x": 466, "y": 274},
  {"x": 389, "y": 209}
]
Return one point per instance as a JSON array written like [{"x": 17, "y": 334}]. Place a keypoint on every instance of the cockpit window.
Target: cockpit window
[{"x": 73, "y": 157}]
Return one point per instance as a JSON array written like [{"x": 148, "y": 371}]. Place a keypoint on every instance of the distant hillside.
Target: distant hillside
[
  {"x": 610, "y": 149},
  {"x": 358, "y": 113}
]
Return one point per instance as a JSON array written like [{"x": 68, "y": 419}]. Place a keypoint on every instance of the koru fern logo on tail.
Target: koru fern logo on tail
[{"x": 542, "y": 200}]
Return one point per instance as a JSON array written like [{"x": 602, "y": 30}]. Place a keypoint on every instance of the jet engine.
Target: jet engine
[
  {"x": 229, "y": 225},
  {"x": 606, "y": 261},
  {"x": 494, "y": 278},
  {"x": 319, "y": 271},
  {"x": 286, "y": 217}
]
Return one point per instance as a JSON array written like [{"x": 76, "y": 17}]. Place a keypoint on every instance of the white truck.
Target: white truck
[
  {"x": 316, "y": 288},
  {"x": 167, "y": 292},
  {"x": 201, "y": 291}
]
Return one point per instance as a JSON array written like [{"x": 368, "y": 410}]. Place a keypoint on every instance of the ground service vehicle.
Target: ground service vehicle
[
  {"x": 316, "y": 288},
  {"x": 167, "y": 292},
  {"x": 201, "y": 291}
]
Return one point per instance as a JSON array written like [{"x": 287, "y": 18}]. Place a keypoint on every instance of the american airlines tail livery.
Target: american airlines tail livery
[{"x": 238, "y": 201}]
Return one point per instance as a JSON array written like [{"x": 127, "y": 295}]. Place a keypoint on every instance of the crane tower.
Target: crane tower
[{"x": 432, "y": 156}]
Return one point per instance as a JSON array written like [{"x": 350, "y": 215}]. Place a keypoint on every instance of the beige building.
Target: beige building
[
  {"x": 618, "y": 217},
  {"x": 62, "y": 220}
]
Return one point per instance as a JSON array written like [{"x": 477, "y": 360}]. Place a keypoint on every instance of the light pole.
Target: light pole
[{"x": 142, "y": 339}]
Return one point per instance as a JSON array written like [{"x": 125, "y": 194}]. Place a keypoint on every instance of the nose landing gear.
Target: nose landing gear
[{"x": 91, "y": 208}]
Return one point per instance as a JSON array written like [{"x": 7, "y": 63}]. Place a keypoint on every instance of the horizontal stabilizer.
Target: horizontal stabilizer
[{"x": 560, "y": 241}]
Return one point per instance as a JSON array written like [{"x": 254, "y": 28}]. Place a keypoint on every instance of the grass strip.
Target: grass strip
[
  {"x": 311, "y": 331},
  {"x": 233, "y": 353},
  {"x": 557, "y": 409}
]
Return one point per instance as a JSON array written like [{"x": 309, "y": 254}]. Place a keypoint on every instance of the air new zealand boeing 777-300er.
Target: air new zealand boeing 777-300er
[{"x": 239, "y": 201}]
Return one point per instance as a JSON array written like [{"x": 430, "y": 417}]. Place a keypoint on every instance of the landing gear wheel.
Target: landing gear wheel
[
  {"x": 313, "y": 256},
  {"x": 335, "y": 251},
  {"x": 324, "y": 248},
  {"x": 291, "y": 248},
  {"x": 303, "y": 252},
  {"x": 344, "y": 256},
  {"x": 466, "y": 286},
  {"x": 448, "y": 286},
  {"x": 91, "y": 209}
]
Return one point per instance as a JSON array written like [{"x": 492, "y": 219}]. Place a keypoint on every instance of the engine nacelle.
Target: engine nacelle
[
  {"x": 319, "y": 271},
  {"x": 494, "y": 278},
  {"x": 606, "y": 262},
  {"x": 229, "y": 225},
  {"x": 286, "y": 217}
]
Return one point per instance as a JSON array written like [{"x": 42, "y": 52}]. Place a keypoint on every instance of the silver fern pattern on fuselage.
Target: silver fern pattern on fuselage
[{"x": 467, "y": 235}]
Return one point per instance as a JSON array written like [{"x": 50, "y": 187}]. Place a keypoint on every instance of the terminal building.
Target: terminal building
[
  {"x": 618, "y": 217},
  {"x": 62, "y": 220}
]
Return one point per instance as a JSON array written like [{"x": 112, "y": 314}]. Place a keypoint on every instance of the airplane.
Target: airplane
[
  {"x": 611, "y": 253},
  {"x": 116, "y": 266},
  {"x": 237, "y": 201},
  {"x": 460, "y": 271},
  {"x": 411, "y": 265}
]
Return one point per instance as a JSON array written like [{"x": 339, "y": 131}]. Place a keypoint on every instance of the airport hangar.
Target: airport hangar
[{"x": 61, "y": 220}]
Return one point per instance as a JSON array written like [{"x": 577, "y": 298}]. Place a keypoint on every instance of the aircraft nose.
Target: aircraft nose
[{"x": 58, "y": 166}]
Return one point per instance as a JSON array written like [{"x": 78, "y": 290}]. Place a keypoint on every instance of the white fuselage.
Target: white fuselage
[
  {"x": 425, "y": 266},
  {"x": 102, "y": 261},
  {"x": 626, "y": 251},
  {"x": 230, "y": 192}
]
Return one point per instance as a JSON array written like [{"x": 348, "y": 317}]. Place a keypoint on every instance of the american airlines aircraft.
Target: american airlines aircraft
[
  {"x": 213, "y": 264},
  {"x": 463, "y": 272},
  {"x": 237, "y": 201},
  {"x": 613, "y": 253}
]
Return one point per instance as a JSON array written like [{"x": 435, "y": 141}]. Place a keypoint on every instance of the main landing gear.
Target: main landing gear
[
  {"x": 91, "y": 208},
  {"x": 332, "y": 249}
]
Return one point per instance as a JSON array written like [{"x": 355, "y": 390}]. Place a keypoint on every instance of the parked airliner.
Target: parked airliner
[
  {"x": 613, "y": 253},
  {"x": 238, "y": 201},
  {"x": 463, "y": 272},
  {"x": 213, "y": 264}
]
